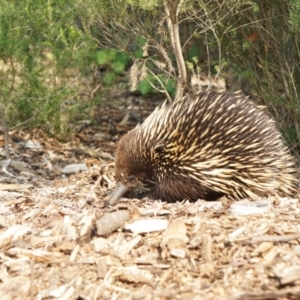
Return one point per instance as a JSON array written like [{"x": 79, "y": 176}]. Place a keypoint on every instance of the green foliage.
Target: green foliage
[
  {"x": 291, "y": 136},
  {"x": 193, "y": 51},
  {"x": 44, "y": 46},
  {"x": 114, "y": 61},
  {"x": 295, "y": 15},
  {"x": 222, "y": 65},
  {"x": 137, "y": 47},
  {"x": 114, "y": 11},
  {"x": 42, "y": 49},
  {"x": 147, "y": 85},
  {"x": 264, "y": 60}
]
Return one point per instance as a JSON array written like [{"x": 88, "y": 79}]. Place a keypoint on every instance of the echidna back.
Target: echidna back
[
  {"x": 221, "y": 141},
  {"x": 205, "y": 146}
]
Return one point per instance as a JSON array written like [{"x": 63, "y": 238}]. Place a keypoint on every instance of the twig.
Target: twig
[
  {"x": 31, "y": 295},
  {"x": 275, "y": 238},
  {"x": 81, "y": 205},
  {"x": 5, "y": 130}
]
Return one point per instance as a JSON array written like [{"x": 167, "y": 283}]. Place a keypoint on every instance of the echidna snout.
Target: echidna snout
[{"x": 203, "y": 147}]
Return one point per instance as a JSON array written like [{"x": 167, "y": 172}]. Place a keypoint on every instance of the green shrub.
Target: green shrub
[
  {"x": 114, "y": 61},
  {"x": 43, "y": 55}
]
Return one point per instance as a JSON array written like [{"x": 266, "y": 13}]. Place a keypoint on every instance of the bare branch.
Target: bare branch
[
  {"x": 5, "y": 130},
  {"x": 172, "y": 8}
]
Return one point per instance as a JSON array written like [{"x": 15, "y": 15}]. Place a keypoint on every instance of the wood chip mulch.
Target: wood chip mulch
[{"x": 58, "y": 241}]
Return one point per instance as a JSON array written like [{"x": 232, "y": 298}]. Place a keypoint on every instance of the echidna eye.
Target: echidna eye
[{"x": 131, "y": 178}]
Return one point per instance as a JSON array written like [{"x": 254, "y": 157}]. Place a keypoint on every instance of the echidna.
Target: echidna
[{"x": 203, "y": 147}]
